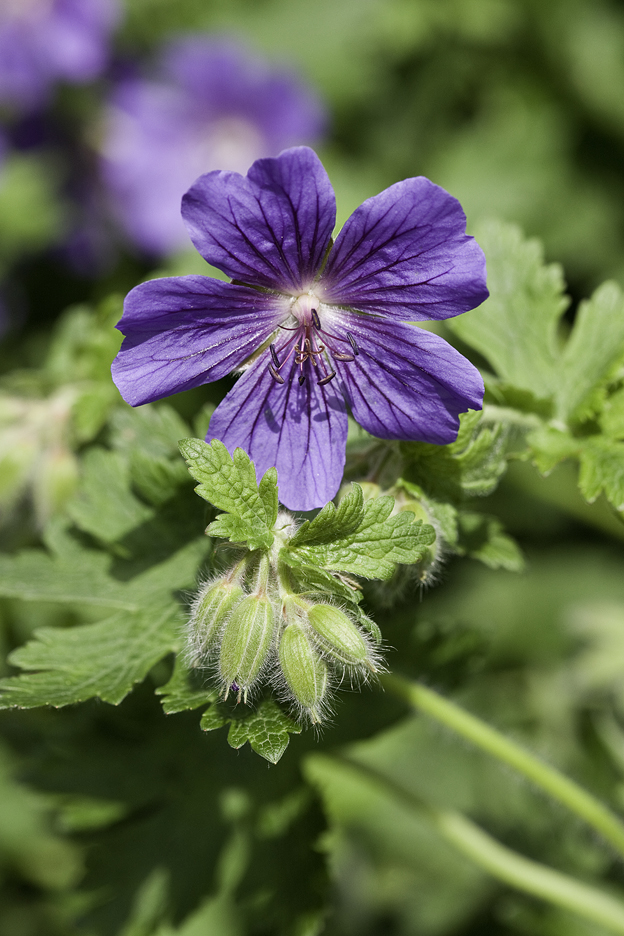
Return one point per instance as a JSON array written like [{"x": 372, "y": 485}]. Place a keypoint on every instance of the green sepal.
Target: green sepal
[
  {"x": 309, "y": 579},
  {"x": 229, "y": 482}
]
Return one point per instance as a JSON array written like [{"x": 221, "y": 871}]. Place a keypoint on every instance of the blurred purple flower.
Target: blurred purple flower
[
  {"x": 215, "y": 106},
  {"x": 313, "y": 327},
  {"x": 42, "y": 41}
]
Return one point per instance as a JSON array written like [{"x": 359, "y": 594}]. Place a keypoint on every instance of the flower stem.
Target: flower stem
[
  {"x": 503, "y": 863},
  {"x": 548, "y": 778}
]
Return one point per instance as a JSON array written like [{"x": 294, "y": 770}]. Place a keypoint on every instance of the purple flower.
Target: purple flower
[
  {"x": 45, "y": 40},
  {"x": 314, "y": 328},
  {"x": 215, "y": 106}
]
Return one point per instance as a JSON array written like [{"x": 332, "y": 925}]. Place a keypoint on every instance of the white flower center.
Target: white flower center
[{"x": 227, "y": 143}]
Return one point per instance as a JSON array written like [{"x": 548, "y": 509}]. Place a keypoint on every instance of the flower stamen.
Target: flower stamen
[
  {"x": 275, "y": 375},
  {"x": 353, "y": 343}
]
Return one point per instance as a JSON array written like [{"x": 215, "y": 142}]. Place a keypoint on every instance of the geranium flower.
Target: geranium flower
[
  {"x": 213, "y": 105},
  {"x": 42, "y": 41},
  {"x": 314, "y": 328}
]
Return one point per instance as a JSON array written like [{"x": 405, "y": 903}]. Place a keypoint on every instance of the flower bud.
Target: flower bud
[
  {"x": 339, "y": 635},
  {"x": 246, "y": 643},
  {"x": 210, "y": 611},
  {"x": 304, "y": 671}
]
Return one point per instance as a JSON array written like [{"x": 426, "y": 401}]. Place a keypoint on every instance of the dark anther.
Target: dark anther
[
  {"x": 339, "y": 356},
  {"x": 353, "y": 343},
  {"x": 316, "y": 320},
  {"x": 275, "y": 375},
  {"x": 302, "y": 380},
  {"x": 276, "y": 360},
  {"x": 327, "y": 379}
]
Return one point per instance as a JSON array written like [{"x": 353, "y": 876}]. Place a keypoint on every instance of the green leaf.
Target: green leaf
[
  {"x": 333, "y": 522},
  {"x": 516, "y": 328},
  {"x": 593, "y": 351},
  {"x": 104, "y": 505},
  {"x": 230, "y": 484},
  {"x": 267, "y": 729},
  {"x": 483, "y": 537},
  {"x": 149, "y": 437},
  {"x": 612, "y": 416},
  {"x": 550, "y": 446},
  {"x": 602, "y": 469},
  {"x": 74, "y": 574},
  {"x": 375, "y": 547},
  {"x": 102, "y": 660},
  {"x": 472, "y": 465},
  {"x": 181, "y": 692}
]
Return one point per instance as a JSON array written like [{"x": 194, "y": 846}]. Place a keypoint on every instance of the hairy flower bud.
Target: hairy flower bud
[
  {"x": 211, "y": 609},
  {"x": 304, "y": 671},
  {"x": 246, "y": 643},
  {"x": 339, "y": 636}
]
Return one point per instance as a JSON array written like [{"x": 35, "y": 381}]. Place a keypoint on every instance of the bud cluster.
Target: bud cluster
[{"x": 249, "y": 627}]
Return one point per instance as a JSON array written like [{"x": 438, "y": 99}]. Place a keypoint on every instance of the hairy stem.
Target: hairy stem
[
  {"x": 548, "y": 778},
  {"x": 501, "y": 862}
]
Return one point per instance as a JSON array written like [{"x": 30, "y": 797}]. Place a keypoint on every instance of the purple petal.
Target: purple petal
[
  {"x": 407, "y": 383},
  {"x": 301, "y": 430},
  {"x": 270, "y": 228},
  {"x": 185, "y": 331},
  {"x": 404, "y": 252}
]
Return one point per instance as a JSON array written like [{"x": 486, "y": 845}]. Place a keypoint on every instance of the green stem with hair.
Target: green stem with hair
[
  {"x": 501, "y": 862},
  {"x": 548, "y": 778}
]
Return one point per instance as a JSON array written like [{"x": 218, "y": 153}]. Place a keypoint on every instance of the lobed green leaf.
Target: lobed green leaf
[
  {"x": 102, "y": 660},
  {"x": 229, "y": 482},
  {"x": 375, "y": 547}
]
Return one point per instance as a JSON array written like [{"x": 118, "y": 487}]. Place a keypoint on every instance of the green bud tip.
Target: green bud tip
[
  {"x": 338, "y": 636},
  {"x": 247, "y": 640},
  {"x": 211, "y": 608},
  {"x": 304, "y": 670}
]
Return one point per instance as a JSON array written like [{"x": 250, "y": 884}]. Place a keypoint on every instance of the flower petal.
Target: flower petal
[
  {"x": 407, "y": 383},
  {"x": 185, "y": 331},
  {"x": 270, "y": 228},
  {"x": 404, "y": 252},
  {"x": 301, "y": 430}
]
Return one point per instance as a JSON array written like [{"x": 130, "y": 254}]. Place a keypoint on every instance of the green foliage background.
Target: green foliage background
[{"x": 120, "y": 816}]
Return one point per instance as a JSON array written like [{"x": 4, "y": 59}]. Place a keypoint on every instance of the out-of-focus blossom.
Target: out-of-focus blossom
[
  {"x": 214, "y": 106},
  {"x": 42, "y": 41}
]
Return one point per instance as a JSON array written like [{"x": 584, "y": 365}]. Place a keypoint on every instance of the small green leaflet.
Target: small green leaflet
[
  {"x": 602, "y": 469},
  {"x": 591, "y": 354},
  {"x": 332, "y": 522},
  {"x": 374, "y": 541},
  {"x": 482, "y": 537},
  {"x": 230, "y": 484},
  {"x": 267, "y": 728},
  {"x": 184, "y": 690},
  {"x": 472, "y": 465}
]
